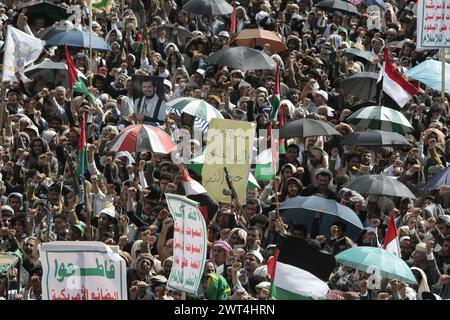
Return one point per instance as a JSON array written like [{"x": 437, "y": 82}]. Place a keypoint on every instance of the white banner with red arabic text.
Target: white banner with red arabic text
[{"x": 190, "y": 245}]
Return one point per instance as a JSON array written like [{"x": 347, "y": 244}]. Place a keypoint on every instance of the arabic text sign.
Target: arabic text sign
[
  {"x": 189, "y": 253},
  {"x": 230, "y": 144},
  {"x": 433, "y": 24},
  {"x": 82, "y": 271}
]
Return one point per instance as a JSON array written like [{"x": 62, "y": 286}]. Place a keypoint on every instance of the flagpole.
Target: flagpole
[
  {"x": 443, "y": 75},
  {"x": 90, "y": 41}
]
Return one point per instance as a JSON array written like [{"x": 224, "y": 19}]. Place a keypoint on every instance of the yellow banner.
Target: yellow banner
[{"x": 230, "y": 145}]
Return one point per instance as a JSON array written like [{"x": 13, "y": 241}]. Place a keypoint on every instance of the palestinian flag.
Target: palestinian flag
[
  {"x": 82, "y": 148},
  {"x": 282, "y": 144},
  {"x": 191, "y": 187},
  {"x": 76, "y": 84},
  {"x": 267, "y": 161},
  {"x": 301, "y": 271},
  {"x": 276, "y": 96}
]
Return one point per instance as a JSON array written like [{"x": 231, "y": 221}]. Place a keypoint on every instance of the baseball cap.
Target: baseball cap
[
  {"x": 322, "y": 93},
  {"x": 224, "y": 34},
  {"x": 201, "y": 72},
  {"x": 167, "y": 83}
]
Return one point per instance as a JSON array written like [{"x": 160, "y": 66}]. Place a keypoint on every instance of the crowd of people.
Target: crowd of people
[{"x": 43, "y": 197}]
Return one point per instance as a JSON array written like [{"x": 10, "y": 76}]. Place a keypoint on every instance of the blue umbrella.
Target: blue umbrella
[
  {"x": 73, "y": 38},
  {"x": 429, "y": 73},
  {"x": 301, "y": 210},
  {"x": 441, "y": 179},
  {"x": 379, "y": 3}
]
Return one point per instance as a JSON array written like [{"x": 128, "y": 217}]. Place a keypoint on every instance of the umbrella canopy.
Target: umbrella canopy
[
  {"x": 362, "y": 85},
  {"x": 49, "y": 72},
  {"x": 429, "y": 72},
  {"x": 57, "y": 36},
  {"x": 380, "y": 118},
  {"x": 370, "y": 259},
  {"x": 49, "y": 11},
  {"x": 441, "y": 179},
  {"x": 259, "y": 37},
  {"x": 364, "y": 55},
  {"x": 301, "y": 210},
  {"x": 195, "y": 107},
  {"x": 242, "y": 58},
  {"x": 183, "y": 34},
  {"x": 338, "y": 5},
  {"x": 141, "y": 137},
  {"x": 375, "y": 138},
  {"x": 379, "y": 3},
  {"x": 379, "y": 184},
  {"x": 208, "y": 7},
  {"x": 303, "y": 128}
]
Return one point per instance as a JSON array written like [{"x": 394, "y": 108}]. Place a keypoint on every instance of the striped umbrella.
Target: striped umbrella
[
  {"x": 195, "y": 107},
  {"x": 141, "y": 137},
  {"x": 380, "y": 118}
]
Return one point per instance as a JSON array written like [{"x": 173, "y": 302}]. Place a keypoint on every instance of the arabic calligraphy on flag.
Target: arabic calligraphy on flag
[
  {"x": 190, "y": 246},
  {"x": 433, "y": 24},
  {"x": 82, "y": 271}
]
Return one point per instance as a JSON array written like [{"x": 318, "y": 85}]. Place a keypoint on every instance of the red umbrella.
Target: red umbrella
[{"x": 141, "y": 137}]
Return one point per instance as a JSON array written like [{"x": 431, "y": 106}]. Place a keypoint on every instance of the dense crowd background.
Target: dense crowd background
[{"x": 41, "y": 189}]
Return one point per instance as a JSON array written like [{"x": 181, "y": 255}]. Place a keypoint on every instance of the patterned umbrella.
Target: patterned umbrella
[
  {"x": 380, "y": 118},
  {"x": 141, "y": 137},
  {"x": 195, "y": 107}
]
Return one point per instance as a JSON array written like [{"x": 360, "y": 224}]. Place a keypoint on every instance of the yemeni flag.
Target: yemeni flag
[
  {"x": 276, "y": 96},
  {"x": 76, "y": 84},
  {"x": 397, "y": 91},
  {"x": 267, "y": 161},
  {"x": 391, "y": 242},
  {"x": 301, "y": 271},
  {"x": 233, "y": 24}
]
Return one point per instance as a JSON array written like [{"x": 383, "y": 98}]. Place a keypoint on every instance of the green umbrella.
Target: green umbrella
[
  {"x": 195, "y": 107},
  {"x": 380, "y": 118},
  {"x": 370, "y": 259}
]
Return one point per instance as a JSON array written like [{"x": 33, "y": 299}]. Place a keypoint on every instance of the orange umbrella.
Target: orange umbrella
[{"x": 259, "y": 37}]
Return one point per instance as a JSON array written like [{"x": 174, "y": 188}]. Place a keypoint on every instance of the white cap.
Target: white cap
[
  {"x": 224, "y": 34},
  {"x": 261, "y": 15},
  {"x": 256, "y": 254},
  {"x": 201, "y": 72},
  {"x": 322, "y": 93},
  {"x": 262, "y": 89},
  {"x": 167, "y": 83}
]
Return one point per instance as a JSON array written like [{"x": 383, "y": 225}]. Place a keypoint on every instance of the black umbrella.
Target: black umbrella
[
  {"x": 362, "y": 85},
  {"x": 49, "y": 11},
  {"x": 338, "y": 5},
  {"x": 183, "y": 34},
  {"x": 375, "y": 138},
  {"x": 379, "y": 184},
  {"x": 60, "y": 36},
  {"x": 307, "y": 128},
  {"x": 301, "y": 210},
  {"x": 360, "y": 55},
  {"x": 208, "y": 7},
  {"x": 242, "y": 58}
]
